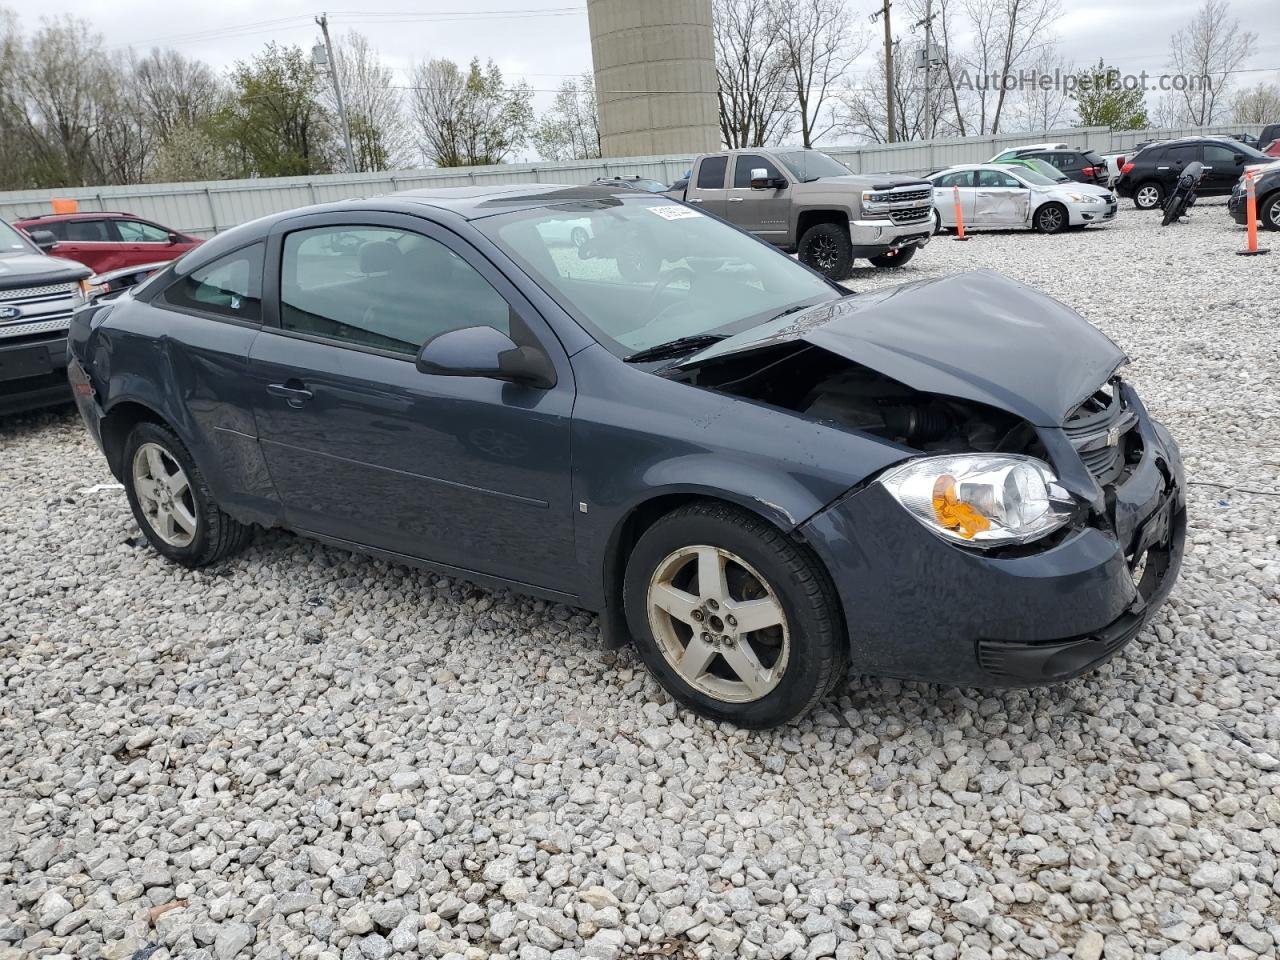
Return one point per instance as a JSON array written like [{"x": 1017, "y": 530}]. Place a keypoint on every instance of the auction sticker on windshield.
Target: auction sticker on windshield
[{"x": 674, "y": 212}]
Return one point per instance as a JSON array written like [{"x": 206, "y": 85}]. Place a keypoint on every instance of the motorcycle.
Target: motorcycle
[{"x": 1184, "y": 192}]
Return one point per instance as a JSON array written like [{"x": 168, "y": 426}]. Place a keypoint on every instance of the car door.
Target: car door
[
  {"x": 763, "y": 212},
  {"x": 464, "y": 471},
  {"x": 1000, "y": 200},
  {"x": 91, "y": 242},
  {"x": 945, "y": 189},
  {"x": 142, "y": 242},
  {"x": 707, "y": 189},
  {"x": 1169, "y": 167},
  {"x": 1223, "y": 166}
]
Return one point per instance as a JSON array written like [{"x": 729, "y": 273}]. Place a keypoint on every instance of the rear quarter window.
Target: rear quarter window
[{"x": 230, "y": 286}]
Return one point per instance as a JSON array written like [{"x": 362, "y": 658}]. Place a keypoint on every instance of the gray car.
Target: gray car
[{"x": 756, "y": 477}]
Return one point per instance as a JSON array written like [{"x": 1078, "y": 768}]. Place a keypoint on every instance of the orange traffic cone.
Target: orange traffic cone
[
  {"x": 1251, "y": 208},
  {"x": 955, "y": 191}
]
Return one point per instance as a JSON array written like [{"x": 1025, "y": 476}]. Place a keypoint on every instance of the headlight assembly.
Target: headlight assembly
[{"x": 979, "y": 499}]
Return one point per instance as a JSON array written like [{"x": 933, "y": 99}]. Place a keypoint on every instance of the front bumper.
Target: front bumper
[
  {"x": 1238, "y": 207},
  {"x": 921, "y": 608},
  {"x": 33, "y": 374},
  {"x": 1081, "y": 214},
  {"x": 874, "y": 238}
]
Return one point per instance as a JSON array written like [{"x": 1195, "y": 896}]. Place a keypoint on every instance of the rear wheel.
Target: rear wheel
[
  {"x": 172, "y": 503},
  {"x": 1148, "y": 196},
  {"x": 826, "y": 247},
  {"x": 894, "y": 258},
  {"x": 735, "y": 620},
  {"x": 1051, "y": 218}
]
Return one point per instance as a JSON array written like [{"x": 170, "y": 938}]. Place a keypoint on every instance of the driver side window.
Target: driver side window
[
  {"x": 994, "y": 178},
  {"x": 383, "y": 288}
]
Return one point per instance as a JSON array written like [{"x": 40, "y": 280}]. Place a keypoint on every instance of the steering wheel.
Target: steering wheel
[{"x": 668, "y": 278}]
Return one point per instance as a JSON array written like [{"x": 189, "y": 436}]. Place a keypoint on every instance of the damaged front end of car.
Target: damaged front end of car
[{"x": 1037, "y": 516}]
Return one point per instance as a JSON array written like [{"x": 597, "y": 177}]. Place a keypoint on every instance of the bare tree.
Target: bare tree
[
  {"x": 754, "y": 73},
  {"x": 862, "y": 109},
  {"x": 123, "y": 139},
  {"x": 380, "y": 138},
  {"x": 469, "y": 117},
  {"x": 176, "y": 92},
  {"x": 1258, "y": 104},
  {"x": 1008, "y": 36},
  {"x": 820, "y": 43},
  {"x": 570, "y": 129},
  {"x": 1045, "y": 107},
  {"x": 1208, "y": 50}
]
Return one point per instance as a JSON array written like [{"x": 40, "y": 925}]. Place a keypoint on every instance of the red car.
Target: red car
[
  {"x": 1272, "y": 149},
  {"x": 106, "y": 241}
]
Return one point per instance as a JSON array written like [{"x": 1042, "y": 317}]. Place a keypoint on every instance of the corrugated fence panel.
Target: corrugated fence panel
[{"x": 207, "y": 207}]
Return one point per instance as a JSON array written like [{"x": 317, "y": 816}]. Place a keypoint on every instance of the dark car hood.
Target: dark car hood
[
  {"x": 25, "y": 269},
  {"x": 977, "y": 336}
]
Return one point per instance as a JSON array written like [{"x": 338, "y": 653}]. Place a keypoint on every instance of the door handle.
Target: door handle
[
  {"x": 694, "y": 200},
  {"x": 295, "y": 395},
  {"x": 735, "y": 199}
]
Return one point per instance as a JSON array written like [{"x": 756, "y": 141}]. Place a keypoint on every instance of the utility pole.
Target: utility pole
[
  {"x": 323, "y": 21},
  {"x": 928, "y": 66},
  {"x": 888, "y": 67}
]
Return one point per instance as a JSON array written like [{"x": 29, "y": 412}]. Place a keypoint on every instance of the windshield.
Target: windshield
[
  {"x": 1249, "y": 152},
  {"x": 807, "y": 165},
  {"x": 638, "y": 274},
  {"x": 11, "y": 241}
]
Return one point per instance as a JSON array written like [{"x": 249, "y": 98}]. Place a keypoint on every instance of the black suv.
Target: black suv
[
  {"x": 1149, "y": 176},
  {"x": 1083, "y": 166},
  {"x": 1267, "y": 190}
]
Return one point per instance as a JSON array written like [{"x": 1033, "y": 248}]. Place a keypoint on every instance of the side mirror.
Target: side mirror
[
  {"x": 43, "y": 239},
  {"x": 760, "y": 180},
  {"x": 1239, "y": 159},
  {"x": 485, "y": 352},
  {"x": 175, "y": 237}
]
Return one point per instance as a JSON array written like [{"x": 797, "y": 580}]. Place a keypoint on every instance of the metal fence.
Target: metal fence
[{"x": 206, "y": 207}]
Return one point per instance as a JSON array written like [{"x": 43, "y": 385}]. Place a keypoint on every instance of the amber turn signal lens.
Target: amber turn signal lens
[{"x": 953, "y": 513}]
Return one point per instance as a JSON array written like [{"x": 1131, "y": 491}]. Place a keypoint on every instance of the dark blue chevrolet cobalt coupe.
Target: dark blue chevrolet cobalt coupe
[{"x": 611, "y": 400}]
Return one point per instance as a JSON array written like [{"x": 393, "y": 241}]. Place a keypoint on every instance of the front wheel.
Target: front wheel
[
  {"x": 894, "y": 258},
  {"x": 172, "y": 503},
  {"x": 1148, "y": 196},
  {"x": 1051, "y": 218},
  {"x": 826, "y": 247},
  {"x": 735, "y": 620},
  {"x": 1269, "y": 212}
]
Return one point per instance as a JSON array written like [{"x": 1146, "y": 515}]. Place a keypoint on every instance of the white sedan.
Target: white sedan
[{"x": 999, "y": 197}]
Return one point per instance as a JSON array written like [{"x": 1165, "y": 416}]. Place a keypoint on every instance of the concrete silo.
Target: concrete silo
[{"x": 655, "y": 72}]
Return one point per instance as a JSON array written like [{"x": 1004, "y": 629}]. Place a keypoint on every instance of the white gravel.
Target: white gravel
[{"x": 325, "y": 756}]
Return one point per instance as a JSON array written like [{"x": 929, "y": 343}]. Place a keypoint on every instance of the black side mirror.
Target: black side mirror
[
  {"x": 43, "y": 239},
  {"x": 175, "y": 237},
  {"x": 485, "y": 352}
]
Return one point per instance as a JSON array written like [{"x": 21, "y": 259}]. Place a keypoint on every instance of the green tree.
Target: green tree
[
  {"x": 1102, "y": 101},
  {"x": 469, "y": 117},
  {"x": 274, "y": 121}
]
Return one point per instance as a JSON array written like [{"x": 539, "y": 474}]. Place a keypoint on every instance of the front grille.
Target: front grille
[
  {"x": 21, "y": 295},
  {"x": 911, "y": 196},
  {"x": 910, "y": 216},
  {"x": 1099, "y": 431},
  {"x": 47, "y": 323}
]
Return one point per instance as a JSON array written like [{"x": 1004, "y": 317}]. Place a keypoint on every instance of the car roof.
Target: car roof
[{"x": 81, "y": 215}]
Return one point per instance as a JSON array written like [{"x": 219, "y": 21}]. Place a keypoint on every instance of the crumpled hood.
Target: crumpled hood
[
  {"x": 978, "y": 336},
  {"x": 21, "y": 269}
]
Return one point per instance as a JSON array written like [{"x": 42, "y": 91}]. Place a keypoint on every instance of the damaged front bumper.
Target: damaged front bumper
[{"x": 921, "y": 608}]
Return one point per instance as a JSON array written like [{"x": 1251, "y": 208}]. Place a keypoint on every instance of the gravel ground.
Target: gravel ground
[{"x": 319, "y": 755}]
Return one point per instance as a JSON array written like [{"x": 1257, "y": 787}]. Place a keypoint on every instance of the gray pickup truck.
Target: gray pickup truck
[{"x": 810, "y": 204}]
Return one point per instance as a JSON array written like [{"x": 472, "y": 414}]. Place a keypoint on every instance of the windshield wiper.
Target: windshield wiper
[{"x": 676, "y": 348}]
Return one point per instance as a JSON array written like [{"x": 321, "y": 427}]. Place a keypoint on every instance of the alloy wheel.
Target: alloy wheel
[
  {"x": 1050, "y": 219},
  {"x": 164, "y": 494},
  {"x": 719, "y": 624},
  {"x": 1274, "y": 214},
  {"x": 825, "y": 253},
  {"x": 1148, "y": 196}
]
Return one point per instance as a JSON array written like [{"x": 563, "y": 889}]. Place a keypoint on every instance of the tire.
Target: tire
[
  {"x": 1269, "y": 212},
  {"x": 1051, "y": 218},
  {"x": 937, "y": 222},
  {"x": 215, "y": 534},
  {"x": 578, "y": 236},
  {"x": 897, "y": 258},
  {"x": 826, "y": 247},
  {"x": 803, "y": 654},
  {"x": 1149, "y": 195}
]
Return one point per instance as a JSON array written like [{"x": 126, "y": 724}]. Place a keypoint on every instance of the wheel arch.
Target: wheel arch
[
  {"x": 812, "y": 217},
  {"x": 120, "y": 418}
]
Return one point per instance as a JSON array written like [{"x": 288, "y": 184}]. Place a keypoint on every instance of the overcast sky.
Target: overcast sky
[{"x": 543, "y": 41}]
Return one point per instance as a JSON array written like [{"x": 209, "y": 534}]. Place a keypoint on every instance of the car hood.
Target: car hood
[
  {"x": 872, "y": 181},
  {"x": 977, "y": 336},
  {"x": 25, "y": 269}
]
